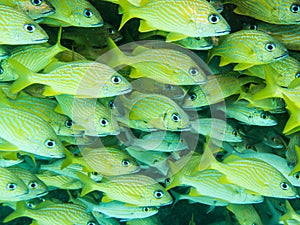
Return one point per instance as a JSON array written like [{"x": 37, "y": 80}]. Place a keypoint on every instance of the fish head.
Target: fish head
[
  {"x": 6, "y": 72},
  {"x": 63, "y": 126},
  {"x": 116, "y": 84},
  {"x": 86, "y": 15},
  {"x": 286, "y": 189},
  {"x": 111, "y": 32},
  {"x": 29, "y": 32},
  {"x": 37, "y": 8},
  {"x": 158, "y": 196},
  {"x": 265, "y": 118},
  {"x": 271, "y": 49},
  {"x": 195, "y": 97},
  {"x": 176, "y": 119},
  {"x": 289, "y": 12},
  {"x": 52, "y": 147}
]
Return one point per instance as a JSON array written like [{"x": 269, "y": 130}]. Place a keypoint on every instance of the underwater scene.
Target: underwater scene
[{"x": 149, "y": 112}]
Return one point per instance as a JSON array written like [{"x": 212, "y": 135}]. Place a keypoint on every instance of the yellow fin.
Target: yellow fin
[
  {"x": 19, "y": 212},
  {"x": 223, "y": 61},
  {"x": 145, "y": 26},
  {"x": 59, "y": 109},
  {"x": 134, "y": 73},
  {"x": 294, "y": 119},
  {"x": 106, "y": 199},
  {"x": 175, "y": 37},
  {"x": 7, "y": 146},
  {"x": 50, "y": 91},
  {"x": 242, "y": 66},
  {"x": 297, "y": 166},
  {"x": 68, "y": 160},
  {"x": 126, "y": 16}
]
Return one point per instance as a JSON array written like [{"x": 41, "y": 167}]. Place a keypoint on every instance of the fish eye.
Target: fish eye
[
  {"x": 91, "y": 223},
  {"x": 158, "y": 194},
  {"x": 270, "y": 47},
  {"x": 32, "y": 185},
  {"x": 68, "y": 123},
  {"x": 193, "y": 71},
  {"x": 110, "y": 30},
  {"x": 193, "y": 97},
  {"x": 50, "y": 143},
  {"x": 175, "y": 117},
  {"x": 297, "y": 75},
  {"x": 103, "y": 122},
  {"x": 2, "y": 70},
  {"x": 248, "y": 146},
  {"x": 36, "y": 2},
  {"x": 146, "y": 209},
  {"x": 95, "y": 173},
  {"x": 168, "y": 181},
  {"x": 295, "y": 8},
  {"x": 264, "y": 116},
  {"x": 297, "y": 175},
  {"x": 30, "y": 205},
  {"x": 252, "y": 27},
  {"x": 284, "y": 186},
  {"x": 125, "y": 163},
  {"x": 111, "y": 104},
  {"x": 169, "y": 86},
  {"x": 11, "y": 186},
  {"x": 214, "y": 18},
  {"x": 116, "y": 79},
  {"x": 198, "y": 38},
  {"x": 235, "y": 133},
  {"x": 29, "y": 27},
  {"x": 87, "y": 13}
]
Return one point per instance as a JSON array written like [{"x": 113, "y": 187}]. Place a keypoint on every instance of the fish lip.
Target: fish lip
[
  {"x": 51, "y": 11},
  {"x": 224, "y": 32},
  {"x": 100, "y": 24},
  {"x": 42, "y": 40},
  {"x": 126, "y": 91},
  {"x": 42, "y": 194},
  {"x": 282, "y": 56}
]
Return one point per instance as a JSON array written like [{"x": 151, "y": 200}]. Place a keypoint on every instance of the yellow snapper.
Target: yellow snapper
[
  {"x": 120, "y": 210},
  {"x": 245, "y": 214},
  {"x": 248, "y": 48},
  {"x": 12, "y": 187},
  {"x": 21, "y": 30},
  {"x": 181, "y": 18},
  {"x": 178, "y": 67},
  {"x": 51, "y": 213},
  {"x": 155, "y": 111},
  {"x": 286, "y": 34},
  {"x": 33, "y": 8},
  {"x": 36, "y": 187},
  {"x": 277, "y": 12},
  {"x": 216, "y": 89},
  {"x": 106, "y": 161},
  {"x": 134, "y": 189},
  {"x": 84, "y": 79},
  {"x": 77, "y": 13},
  {"x": 94, "y": 117},
  {"x": 28, "y": 132},
  {"x": 253, "y": 174},
  {"x": 284, "y": 70}
]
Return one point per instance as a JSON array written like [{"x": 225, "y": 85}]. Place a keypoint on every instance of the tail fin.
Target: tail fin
[
  {"x": 208, "y": 157},
  {"x": 297, "y": 166},
  {"x": 89, "y": 184},
  {"x": 68, "y": 160},
  {"x": 25, "y": 76},
  {"x": 290, "y": 212},
  {"x": 57, "y": 48},
  {"x": 19, "y": 212}
]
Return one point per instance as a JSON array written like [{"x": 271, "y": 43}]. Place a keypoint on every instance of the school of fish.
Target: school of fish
[{"x": 150, "y": 112}]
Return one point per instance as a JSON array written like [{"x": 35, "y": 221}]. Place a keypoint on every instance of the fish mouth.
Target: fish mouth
[
  {"x": 224, "y": 32},
  {"x": 42, "y": 40},
  {"x": 50, "y": 12},
  {"x": 42, "y": 194},
  {"x": 100, "y": 24},
  {"x": 126, "y": 91},
  {"x": 282, "y": 56}
]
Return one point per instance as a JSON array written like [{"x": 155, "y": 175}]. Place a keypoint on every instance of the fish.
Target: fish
[
  {"x": 120, "y": 210},
  {"x": 216, "y": 128},
  {"x": 145, "y": 61},
  {"x": 103, "y": 219},
  {"x": 94, "y": 118},
  {"x": 193, "y": 18},
  {"x": 145, "y": 221},
  {"x": 249, "y": 115},
  {"x": 36, "y": 187},
  {"x": 85, "y": 79},
  {"x": 245, "y": 214},
  {"x": 8, "y": 159},
  {"x": 248, "y": 48},
  {"x": 134, "y": 189},
  {"x": 35, "y": 9},
  {"x": 284, "y": 70},
  {"x": 114, "y": 161},
  {"x": 75, "y": 13},
  {"x": 155, "y": 111},
  {"x": 216, "y": 89},
  {"x": 27, "y": 132},
  {"x": 217, "y": 4},
  {"x": 12, "y": 187},
  {"x": 275, "y": 12},
  {"x": 286, "y": 34},
  {"x": 21, "y": 30},
  {"x": 63, "y": 213},
  {"x": 290, "y": 214}
]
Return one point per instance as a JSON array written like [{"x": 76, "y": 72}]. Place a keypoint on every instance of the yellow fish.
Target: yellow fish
[
  {"x": 77, "y": 13},
  {"x": 181, "y": 18},
  {"x": 55, "y": 214},
  {"x": 290, "y": 215},
  {"x": 248, "y": 48},
  {"x": 134, "y": 189},
  {"x": 85, "y": 79},
  {"x": 33, "y": 8},
  {"x": 271, "y": 11},
  {"x": 27, "y": 132},
  {"x": 21, "y": 30},
  {"x": 245, "y": 214}
]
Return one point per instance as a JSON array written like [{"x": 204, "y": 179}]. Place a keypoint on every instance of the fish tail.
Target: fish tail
[
  {"x": 19, "y": 212},
  {"x": 114, "y": 57},
  {"x": 68, "y": 160},
  {"x": 126, "y": 13},
  {"x": 176, "y": 196},
  {"x": 297, "y": 166},
  {"x": 89, "y": 184},
  {"x": 58, "y": 47},
  {"x": 208, "y": 158},
  {"x": 271, "y": 90},
  {"x": 290, "y": 212},
  {"x": 25, "y": 76}
]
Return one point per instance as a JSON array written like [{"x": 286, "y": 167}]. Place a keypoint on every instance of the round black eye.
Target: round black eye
[
  {"x": 297, "y": 75},
  {"x": 264, "y": 116},
  {"x": 32, "y": 185},
  {"x": 146, "y": 209},
  {"x": 30, "y": 205},
  {"x": 158, "y": 194},
  {"x": 248, "y": 146},
  {"x": 270, "y": 47},
  {"x": 284, "y": 186},
  {"x": 50, "y": 143},
  {"x": 11, "y": 186},
  {"x": 214, "y": 18},
  {"x": 193, "y": 97},
  {"x": 175, "y": 117},
  {"x": 87, "y": 13},
  {"x": 68, "y": 123},
  {"x": 29, "y": 27},
  {"x": 111, "y": 104},
  {"x": 2, "y": 71},
  {"x": 103, "y": 122},
  {"x": 295, "y": 8},
  {"x": 193, "y": 71},
  {"x": 235, "y": 133},
  {"x": 36, "y": 2},
  {"x": 169, "y": 86},
  {"x": 125, "y": 163},
  {"x": 297, "y": 175},
  {"x": 116, "y": 79},
  {"x": 197, "y": 38},
  {"x": 110, "y": 30},
  {"x": 91, "y": 223},
  {"x": 252, "y": 27},
  {"x": 167, "y": 181},
  {"x": 95, "y": 173}
]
